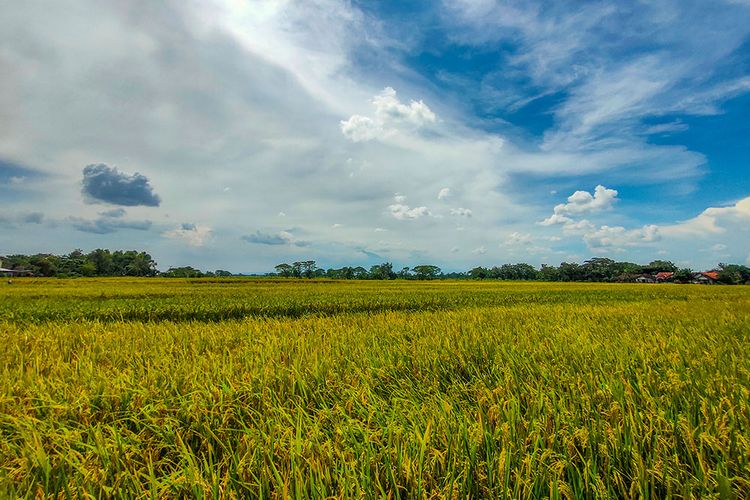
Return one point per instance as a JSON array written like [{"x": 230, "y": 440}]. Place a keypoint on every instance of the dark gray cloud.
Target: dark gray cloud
[
  {"x": 106, "y": 225},
  {"x": 279, "y": 238},
  {"x": 102, "y": 183}
]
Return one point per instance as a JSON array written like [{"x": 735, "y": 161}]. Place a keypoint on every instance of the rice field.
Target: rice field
[{"x": 239, "y": 388}]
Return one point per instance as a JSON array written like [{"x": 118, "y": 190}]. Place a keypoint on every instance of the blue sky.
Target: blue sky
[{"x": 239, "y": 134}]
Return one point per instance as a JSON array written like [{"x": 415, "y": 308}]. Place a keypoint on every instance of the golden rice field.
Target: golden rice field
[{"x": 243, "y": 388}]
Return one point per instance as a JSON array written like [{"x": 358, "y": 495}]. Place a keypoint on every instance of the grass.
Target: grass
[{"x": 254, "y": 388}]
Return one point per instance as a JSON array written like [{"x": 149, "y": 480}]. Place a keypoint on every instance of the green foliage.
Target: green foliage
[
  {"x": 426, "y": 272},
  {"x": 733, "y": 274},
  {"x": 684, "y": 275},
  {"x": 182, "y": 272},
  {"x": 383, "y": 271},
  {"x": 658, "y": 266},
  {"x": 273, "y": 389},
  {"x": 99, "y": 262}
]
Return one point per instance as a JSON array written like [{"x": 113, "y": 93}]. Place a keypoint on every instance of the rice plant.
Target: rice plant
[{"x": 254, "y": 388}]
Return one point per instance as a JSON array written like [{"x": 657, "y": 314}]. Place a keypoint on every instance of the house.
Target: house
[
  {"x": 645, "y": 278},
  {"x": 13, "y": 272},
  {"x": 706, "y": 278},
  {"x": 664, "y": 277}
]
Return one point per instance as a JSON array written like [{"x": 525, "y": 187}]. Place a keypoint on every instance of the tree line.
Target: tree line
[
  {"x": 597, "y": 269},
  {"x": 99, "y": 262},
  {"x": 103, "y": 262}
]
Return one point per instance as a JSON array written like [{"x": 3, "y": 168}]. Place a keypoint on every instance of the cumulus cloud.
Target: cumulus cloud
[
  {"x": 479, "y": 251},
  {"x": 278, "y": 238},
  {"x": 582, "y": 202},
  {"x": 401, "y": 211},
  {"x": 360, "y": 128},
  {"x": 389, "y": 109},
  {"x": 579, "y": 203},
  {"x": 516, "y": 238},
  {"x": 390, "y": 115},
  {"x": 193, "y": 234},
  {"x": 461, "y": 212},
  {"x": 712, "y": 220},
  {"x": 102, "y": 183},
  {"x": 618, "y": 237},
  {"x": 444, "y": 194}
]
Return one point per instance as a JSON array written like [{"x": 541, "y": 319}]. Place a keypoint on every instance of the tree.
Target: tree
[
  {"x": 599, "y": 269},
  {"x": 426, "y": 272},
  {"x": 404, "y": 273},
  {"x": 659, "y": 266},
  {"x": 479, "y": 273},
  {"x": 308, "y": 268},
  {"x": 284, "y": 270},
  {"x": 359, "y": 273},
  {"x": 383, "y": 271},
  {"x": 102, "y": 261},
  {"x": 733, "y": 274},
  {"x": 141, "y": 264},
  {"x": 684, "y": 275},
  {"x": 571, "y": 271},
  {"x": 182, "y": 272},
  {"x": 548, "y": 273}
]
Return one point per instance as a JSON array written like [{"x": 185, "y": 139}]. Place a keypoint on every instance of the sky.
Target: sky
[{"x": 231, "y": 134}]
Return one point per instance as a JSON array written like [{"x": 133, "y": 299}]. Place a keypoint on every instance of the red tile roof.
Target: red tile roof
[
  {"x": 664, "y": 275},
  {"x": 711, "y": 274}
]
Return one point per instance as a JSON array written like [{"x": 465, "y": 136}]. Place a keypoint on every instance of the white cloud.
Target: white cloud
[
  {"x": 360, "y": 128},
  {"x": 390, "y": 116},
  {"x": 444, "y": 194},
  {"x": 578, "y": 227},
  {"x": 389, "y": 110},
  {"x": 192, "y": 234},
  {"x": 404, "y": 212},
  {"x": 713, "y": 220},
  {"x": 618, "y": 237},
  {"x": 461, "y": 212},
  {"x": 555, "y": 219},
  {"x": 400, "y": 211},
  {"x": 479, "y": 251},
  {"x": 582, "y": 202},
  {"x": 516, "y": 238}
]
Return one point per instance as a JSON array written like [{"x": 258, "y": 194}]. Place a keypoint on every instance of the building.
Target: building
[
  {"x": 706, "y": 278},
  {"x": 4, "y": 271},
  {"x": 664, "y": 277}
]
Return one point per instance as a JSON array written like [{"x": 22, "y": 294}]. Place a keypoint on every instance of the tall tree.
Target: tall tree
[{"x": 426, "y": 272}]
